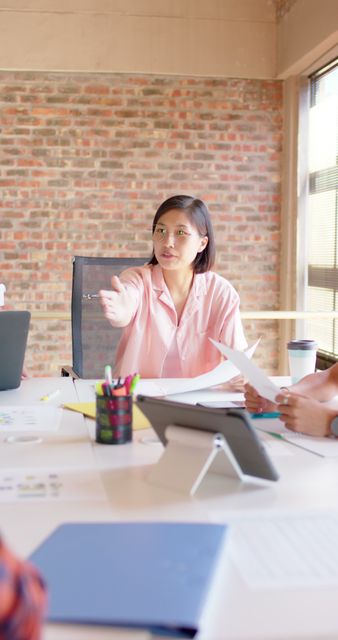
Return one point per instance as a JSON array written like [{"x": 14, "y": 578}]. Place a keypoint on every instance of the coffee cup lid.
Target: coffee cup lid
[{"x": 302, "y": 345}]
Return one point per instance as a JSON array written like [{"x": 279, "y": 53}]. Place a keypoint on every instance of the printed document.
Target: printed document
[
  {"x": 286, "y": 551},
  {"x": 250, "y": 371},
  {"x": 30, "y": 418},
  {"x": 325, "y": 447},
  {"x": 31, "y": 484},
  {"x": 219, "y": 375}
]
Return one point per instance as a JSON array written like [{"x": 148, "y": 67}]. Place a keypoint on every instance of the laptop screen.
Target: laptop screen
[{"x": 14, "y": 326}]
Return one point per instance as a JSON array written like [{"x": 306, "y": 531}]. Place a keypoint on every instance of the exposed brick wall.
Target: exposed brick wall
[{"x": 85, "y": 159}]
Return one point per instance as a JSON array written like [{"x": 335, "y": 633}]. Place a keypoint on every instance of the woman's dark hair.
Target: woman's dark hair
[{"x": 199, "y": 216}]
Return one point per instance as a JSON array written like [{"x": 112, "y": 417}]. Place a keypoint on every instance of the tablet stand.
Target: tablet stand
[{"x": 189, "y": 455}]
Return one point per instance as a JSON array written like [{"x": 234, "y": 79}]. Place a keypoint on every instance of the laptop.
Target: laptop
[{"x": 14, "y": 326}]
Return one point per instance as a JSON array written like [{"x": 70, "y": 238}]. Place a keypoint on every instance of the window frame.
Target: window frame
[{"x": 307, "y": 274}]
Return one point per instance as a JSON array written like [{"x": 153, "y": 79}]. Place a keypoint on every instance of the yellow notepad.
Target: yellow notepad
[{"x": 88, "y": 409}]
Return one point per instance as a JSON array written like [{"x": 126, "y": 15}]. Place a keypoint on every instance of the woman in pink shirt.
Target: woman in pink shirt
[{"x": 170, "y": 307}]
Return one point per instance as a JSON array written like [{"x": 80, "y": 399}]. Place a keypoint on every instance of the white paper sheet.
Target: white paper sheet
[
  {"x": 272, "y": 425},
  {"x": 286, "y": 551},
  {"x": 167, "y": 386},
  {"x": 29, "y": 418},
  {"x": 22, "y": 485},
  {"x": 250, "y": 370},
  {"x": 275, "y": 446},
  {"x": 326, "y": 447}
]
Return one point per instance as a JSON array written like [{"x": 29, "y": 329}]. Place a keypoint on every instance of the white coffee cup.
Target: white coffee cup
[{"x": 302, "y": 358}]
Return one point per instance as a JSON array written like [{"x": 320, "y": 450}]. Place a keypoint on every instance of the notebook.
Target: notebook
[
  {"x": 143, "y": 575},
  {"x": 14, "y": 327}
]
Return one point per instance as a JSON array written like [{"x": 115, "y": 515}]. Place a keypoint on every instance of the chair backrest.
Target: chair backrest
[{"x": 94, "y": 340}]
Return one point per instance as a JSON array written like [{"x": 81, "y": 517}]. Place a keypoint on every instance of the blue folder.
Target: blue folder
[{"x": 153, "y": 576}]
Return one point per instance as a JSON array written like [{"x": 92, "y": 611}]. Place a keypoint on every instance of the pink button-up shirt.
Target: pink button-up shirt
[{"x": 211, "y": 310}]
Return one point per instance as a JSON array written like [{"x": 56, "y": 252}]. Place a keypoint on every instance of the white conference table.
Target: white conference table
[{"x": 233, "y": 612}]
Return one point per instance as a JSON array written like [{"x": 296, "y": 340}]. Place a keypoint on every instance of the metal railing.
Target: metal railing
[{"x": 245, "y": 315}]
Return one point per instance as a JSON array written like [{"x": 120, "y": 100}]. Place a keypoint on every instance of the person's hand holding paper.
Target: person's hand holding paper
[
  {"x": 254, "y": 403},
  {"x": 250, "y": 371}
]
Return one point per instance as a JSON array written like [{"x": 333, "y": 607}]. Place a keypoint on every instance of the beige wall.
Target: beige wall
[
  {"x": 229, "y": 38},
  {"x": 305, "y": 34}
]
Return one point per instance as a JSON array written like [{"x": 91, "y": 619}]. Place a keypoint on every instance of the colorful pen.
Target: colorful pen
[
  {"x": 272, "y": 414},
  {"x": 118, "y": 391},
  {"x": 275, "y": 435},
  {"x": 134, "y": 382},
  {"x": 50, "y": 396},
  {"x": 108, "y": 374},
  {"x": 98, "y": 388},
  {"x": 127, "y": 382}
]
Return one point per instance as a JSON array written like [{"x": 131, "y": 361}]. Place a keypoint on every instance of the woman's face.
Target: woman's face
[{"x": 176, "y": 240}]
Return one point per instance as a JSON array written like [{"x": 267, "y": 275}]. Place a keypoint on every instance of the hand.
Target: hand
[
  {"x": 24, "y": 374},
  {"x": 305, "y": 415},
  {"x": 235, "y": 384},
  {"x": 117, "y": 304},
  {"x": 255, "y": 403}
]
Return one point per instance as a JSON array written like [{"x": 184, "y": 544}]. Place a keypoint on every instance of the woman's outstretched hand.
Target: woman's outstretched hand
[{"x": 117, "y": 304}]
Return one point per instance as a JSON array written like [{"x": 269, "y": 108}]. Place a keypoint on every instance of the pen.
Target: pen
[
  {"x": 127, "y": 383},
  {"x": 107, "y": 390},
  {"x": 273, "y": 414},
  {"x": 119, "y": 391},
  {"x": 275, "y": 435},
  {"x": 50, "y": 396},
  {"x": 98, "y": 388},
  {"x": 108, "y": 374},
  {"x": 271, "y": 433},
  {"x": 134, "y": 382}
]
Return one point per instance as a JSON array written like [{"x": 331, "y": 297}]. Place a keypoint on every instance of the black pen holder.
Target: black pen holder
[{"x": 114, "y": 419}]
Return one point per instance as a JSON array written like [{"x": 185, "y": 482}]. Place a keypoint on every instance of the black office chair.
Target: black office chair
[{"x": 94, "y": 340}]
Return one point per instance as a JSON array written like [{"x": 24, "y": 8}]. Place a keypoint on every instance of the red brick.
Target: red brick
[{"x": 86, "y": 159}]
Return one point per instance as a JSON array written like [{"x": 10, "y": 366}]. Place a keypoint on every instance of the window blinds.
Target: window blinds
[{"x": 322, "y": 224}]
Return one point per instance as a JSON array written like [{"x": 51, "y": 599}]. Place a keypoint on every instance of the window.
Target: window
[{"x": 321, "y": 283}]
